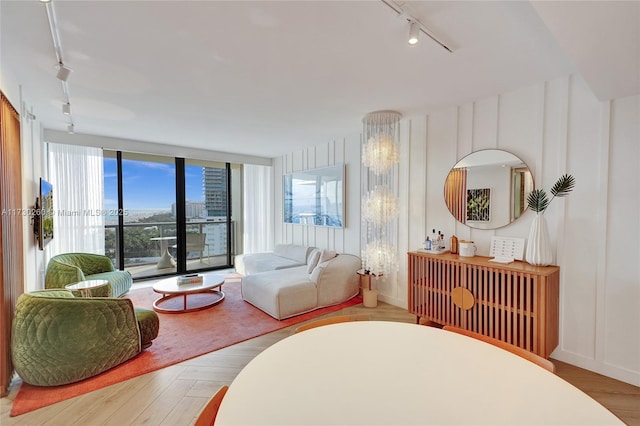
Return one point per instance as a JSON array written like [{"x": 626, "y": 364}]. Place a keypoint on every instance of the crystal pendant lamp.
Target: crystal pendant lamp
[{"x": 380, "y": 158}]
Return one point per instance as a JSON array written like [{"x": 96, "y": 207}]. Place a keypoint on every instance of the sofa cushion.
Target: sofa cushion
[
  {"x": 281, "y": 294},
  {"x": 149, "y": 325},
  {"x": 338, "y": 280},
  {"x": 70, "y": 268},
  {"x": 119, "y": 283},
  {"x": 262, "y": 262},
  {"x": 294, "y": 252},
  {"x": 315, "y": 274},
  {"x": 312, "y": 262},
  {"x": 326, "y": 255}
]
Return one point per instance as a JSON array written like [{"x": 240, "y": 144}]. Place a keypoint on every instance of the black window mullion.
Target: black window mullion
[
  {"x": 181, "y": 217},
  {"x": 229, "y": 230},
  {"x": 120, "y": 234}
]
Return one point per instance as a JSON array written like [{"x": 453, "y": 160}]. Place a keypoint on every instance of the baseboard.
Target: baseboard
[{"x": 615, "y": 372}]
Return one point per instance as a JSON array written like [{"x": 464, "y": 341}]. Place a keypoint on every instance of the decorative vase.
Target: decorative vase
[{"x": 538, "y": 245}]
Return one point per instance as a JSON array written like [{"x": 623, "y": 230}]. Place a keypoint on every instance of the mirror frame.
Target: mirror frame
[{"x": 500, "y": 179}]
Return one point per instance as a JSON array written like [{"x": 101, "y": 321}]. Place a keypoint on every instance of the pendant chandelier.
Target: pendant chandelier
[
  {"x": 379, "y": 206},
  {"x": 380, "y": 158}
]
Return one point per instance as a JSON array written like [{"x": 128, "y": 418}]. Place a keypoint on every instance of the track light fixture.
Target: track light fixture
[
  {"x": 66, "y": 108},
  {"x": 414, "y": 31},
  {"x": 416, "y": 26},
  {"x": 70, "y": 129},
  {"x": 63, "y": 72}
]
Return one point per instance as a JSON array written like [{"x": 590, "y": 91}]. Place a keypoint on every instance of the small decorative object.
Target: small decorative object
[
  {"x": 506, "y": 249},
  {"x": 190, "y": 279},
  {"x": 467, "y": 248},
  {"x": 538, "y": 245}
]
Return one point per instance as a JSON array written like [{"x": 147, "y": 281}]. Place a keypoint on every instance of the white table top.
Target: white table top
[
  {"x": 390, "y": 373},
  {"x": 170, "y": 285},
  {"x": 86, "y": 285}
]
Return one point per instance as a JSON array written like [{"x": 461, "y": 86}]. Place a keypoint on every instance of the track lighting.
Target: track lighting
[
  {"x": 70, "y": 129},
  {"x": 66, "y": 108},
  {"x": 63, "y": 72},
  {"x": 414, "y": 30},
  {"x": 416, "y": 25}
]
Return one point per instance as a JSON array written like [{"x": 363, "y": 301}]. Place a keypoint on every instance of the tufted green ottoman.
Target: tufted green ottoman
[{"x": 149, "y": 326}]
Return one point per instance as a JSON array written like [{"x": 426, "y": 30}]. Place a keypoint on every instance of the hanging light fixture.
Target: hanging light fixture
[
  {"x": 379, "y": 209},
  {"x": 414, "y": 31},
  {"x": 380, "y": 206},
  {"x": 63, "y": 72},
  {"x": 380, "y": 257},
  {"x": 66, "y": 108},
  {"x": 380, "y": 153}
]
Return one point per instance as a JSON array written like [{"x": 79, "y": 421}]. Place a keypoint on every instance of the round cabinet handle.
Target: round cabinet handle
[{"x": 463, "y": 298}]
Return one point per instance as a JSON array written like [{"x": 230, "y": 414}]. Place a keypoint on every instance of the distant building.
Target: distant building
[
  {"x": 193, "y": 209},
  {"x": 214, "y": 181},
  {"x": 216, "y": 237}
]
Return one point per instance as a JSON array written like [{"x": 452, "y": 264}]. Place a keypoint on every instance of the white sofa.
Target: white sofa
[
  {"x": 283, "y": 293},
  {"x": 282, "y": 257}
]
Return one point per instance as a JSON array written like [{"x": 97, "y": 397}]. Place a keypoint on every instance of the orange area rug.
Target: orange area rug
[{"x": 181, "y": 337}]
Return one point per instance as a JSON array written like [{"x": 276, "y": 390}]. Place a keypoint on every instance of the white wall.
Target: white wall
[
  {"x": 342, "y": 240},
  {"x": 555, "y": 127},
  {"x": 32, "y": 169}
]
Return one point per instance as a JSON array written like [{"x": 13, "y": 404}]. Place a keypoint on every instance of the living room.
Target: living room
[{"x": 571, "y": 115}]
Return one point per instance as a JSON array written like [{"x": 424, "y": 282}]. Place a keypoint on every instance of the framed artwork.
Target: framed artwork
[
  {"x": 315, "y": 197},
  {"x": 479, "y": 205}
]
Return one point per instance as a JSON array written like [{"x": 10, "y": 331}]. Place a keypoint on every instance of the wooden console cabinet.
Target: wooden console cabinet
[{"x": 517, "y": 303}]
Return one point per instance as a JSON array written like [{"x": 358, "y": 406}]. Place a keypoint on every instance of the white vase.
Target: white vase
[{"x": 538, "y": 245}]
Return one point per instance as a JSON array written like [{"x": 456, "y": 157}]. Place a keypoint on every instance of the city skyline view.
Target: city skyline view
[{"x": 149, "y": 186}]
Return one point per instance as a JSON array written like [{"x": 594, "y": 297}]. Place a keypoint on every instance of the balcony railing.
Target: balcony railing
[{"x": 141, "y": 249}]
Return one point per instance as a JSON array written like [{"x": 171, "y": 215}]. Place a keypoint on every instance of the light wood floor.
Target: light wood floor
[{"x": 175, "y": 395}]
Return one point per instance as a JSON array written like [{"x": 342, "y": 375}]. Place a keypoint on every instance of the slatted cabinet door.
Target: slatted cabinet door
[{"x": 516, "y": 303}]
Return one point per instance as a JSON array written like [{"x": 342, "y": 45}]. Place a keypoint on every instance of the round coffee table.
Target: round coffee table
[
  {"x": 169, "y": 288},
  {"x": 85, "y": 287}
]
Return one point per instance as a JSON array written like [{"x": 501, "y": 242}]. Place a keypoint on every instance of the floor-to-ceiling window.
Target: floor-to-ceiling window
[{"x": 175, "y": 216}]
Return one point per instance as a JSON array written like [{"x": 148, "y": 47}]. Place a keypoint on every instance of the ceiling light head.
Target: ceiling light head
[
  {"x": 414, "y": 31},
  {"x": 45, "y": 1},
  {"x": 63, "y": 72},
  {"x": 70, "y": 129},
  {"x": 66, "y": 108}
]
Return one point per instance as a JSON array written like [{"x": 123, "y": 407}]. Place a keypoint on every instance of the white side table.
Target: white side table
[{"x": 85, "y": 287}]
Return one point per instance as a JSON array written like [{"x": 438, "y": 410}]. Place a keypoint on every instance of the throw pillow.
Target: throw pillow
[
  {"x": 314, "y": 257},
  {"x": 327, "y": 255},
  {"x": 317, "y": 270}
]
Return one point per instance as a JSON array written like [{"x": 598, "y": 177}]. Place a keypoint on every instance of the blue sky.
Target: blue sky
[{"x": 148, "y": 185}]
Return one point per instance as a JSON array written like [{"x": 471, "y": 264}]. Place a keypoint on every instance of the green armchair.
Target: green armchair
[
  {"x": 70, "y": 268},
  {"x": 57, "y": 338}
]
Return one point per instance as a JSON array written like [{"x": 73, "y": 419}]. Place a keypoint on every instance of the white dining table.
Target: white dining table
[{"x": 392, "y": 373}]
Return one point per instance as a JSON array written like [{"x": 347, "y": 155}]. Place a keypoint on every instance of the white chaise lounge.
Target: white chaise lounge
[{"x": 327, "y": 279}]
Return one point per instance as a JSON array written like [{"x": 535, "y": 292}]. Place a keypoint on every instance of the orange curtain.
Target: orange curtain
[
  {"x": 455, "y": 194},
  {"x": 11, "y": 267}
]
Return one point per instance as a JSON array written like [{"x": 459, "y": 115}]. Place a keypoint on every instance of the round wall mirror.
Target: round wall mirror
[{"x": 488, "y": 189}]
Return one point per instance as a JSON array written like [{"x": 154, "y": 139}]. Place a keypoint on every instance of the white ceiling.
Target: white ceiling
[{"x": 269, "y": 77}]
